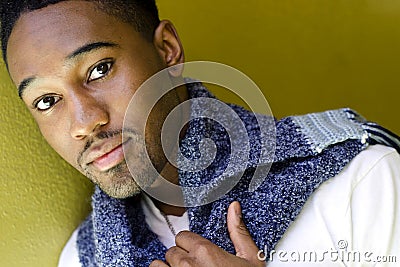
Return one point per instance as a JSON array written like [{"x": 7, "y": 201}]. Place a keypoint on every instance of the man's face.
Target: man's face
[{"x": 78, "y": 68}]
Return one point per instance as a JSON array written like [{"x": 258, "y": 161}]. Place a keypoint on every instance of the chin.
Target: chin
[
  {"x": 119, "y": 183},
  {"x": 120, "y": 186},
  {"x": 122, "y": 192},
  {"x": 113, "y": 182}
]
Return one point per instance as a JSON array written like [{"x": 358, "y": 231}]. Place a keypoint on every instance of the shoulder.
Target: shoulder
[
  {"x": 372, "y": 168},
  {"x": 383, "y": 159},
  {"x": 360, "y": 206}
]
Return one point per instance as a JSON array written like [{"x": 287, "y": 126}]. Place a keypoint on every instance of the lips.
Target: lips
[
  {"x": 106, "y": 155},
  {"x": 109, "y": 160}
]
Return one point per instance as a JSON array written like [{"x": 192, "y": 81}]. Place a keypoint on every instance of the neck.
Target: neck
[
  {"x": 170, "y": 173},
  {"x": 169, "y": 209}
]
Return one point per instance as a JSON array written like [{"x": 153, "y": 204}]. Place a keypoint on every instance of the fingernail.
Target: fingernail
[{"x": 238, "y": 211}]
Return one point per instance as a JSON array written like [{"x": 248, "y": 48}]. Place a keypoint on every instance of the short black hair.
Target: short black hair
[{"x": 142, "y": 14}]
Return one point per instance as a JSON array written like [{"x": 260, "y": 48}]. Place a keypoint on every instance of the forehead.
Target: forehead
[{"x": 46, "y": 36}]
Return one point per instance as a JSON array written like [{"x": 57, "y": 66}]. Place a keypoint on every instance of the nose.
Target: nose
[{"x": 87, "y": 114}]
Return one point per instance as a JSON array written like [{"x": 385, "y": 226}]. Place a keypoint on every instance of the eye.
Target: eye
[
  {"x": 99, "y": 71},
  {"x": 46, "y": 102}
]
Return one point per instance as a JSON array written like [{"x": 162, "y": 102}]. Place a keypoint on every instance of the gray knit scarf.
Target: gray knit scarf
[{"x": 309, "y": 150}]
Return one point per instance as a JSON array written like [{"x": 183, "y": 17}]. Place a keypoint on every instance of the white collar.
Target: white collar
[{"x": 158, "y": 225}]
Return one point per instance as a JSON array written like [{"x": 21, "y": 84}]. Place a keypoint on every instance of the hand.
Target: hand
[{"x": 192, "y": 250}]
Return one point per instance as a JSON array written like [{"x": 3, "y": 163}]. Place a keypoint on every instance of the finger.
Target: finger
[
  {"x": 190, "y": 241},
  {"x": 240, "y": 236},
  {"x": 176, "y": 256},
  {"x": 158, "y": 263}
]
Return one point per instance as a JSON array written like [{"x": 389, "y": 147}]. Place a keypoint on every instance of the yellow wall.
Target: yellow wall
[{"x": 306, "y": 55}]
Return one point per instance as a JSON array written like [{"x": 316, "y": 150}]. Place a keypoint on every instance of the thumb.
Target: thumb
[{"x": 244, "y": 245}]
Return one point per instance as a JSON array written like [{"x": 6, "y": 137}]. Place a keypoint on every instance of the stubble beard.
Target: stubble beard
[
  {"x": 116, "y": 182},
  {"x": 122, "y": 181}
]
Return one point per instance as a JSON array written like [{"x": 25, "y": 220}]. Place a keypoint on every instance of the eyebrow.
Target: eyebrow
[
  {"x": 78, "y": 52},
  {"x": 24, "y": 84},
  {"x": 89, "y": 48}
]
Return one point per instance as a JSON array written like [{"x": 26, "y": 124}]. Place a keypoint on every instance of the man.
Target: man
[{"x": 77, "y": 64}]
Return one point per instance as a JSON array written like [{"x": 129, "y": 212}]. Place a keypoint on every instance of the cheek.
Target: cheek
[
  {"x": 117, "y": 104},
  {"x": 117, "y": 95}
]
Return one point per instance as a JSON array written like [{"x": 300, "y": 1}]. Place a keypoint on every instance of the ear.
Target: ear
[{"x": 169, "y": 47}]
